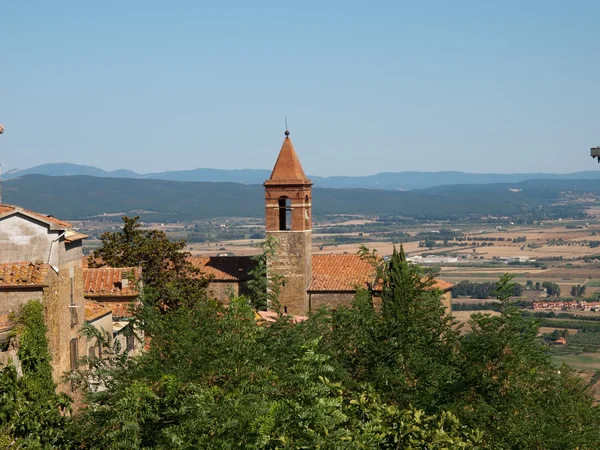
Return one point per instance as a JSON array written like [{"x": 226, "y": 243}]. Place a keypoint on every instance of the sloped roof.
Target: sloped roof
[
  {"x": 94, "y": 310},
  {"x": 224, "y": 268},
  {"x": 121, "y": 310},
  {"x": 109, "y": 281},
  {"x": 340, "y": 273},
  {"x": 73, "y": 236},
  {"x": 347, "y": 272},
  {"x": 9, "y": 209},
  {"x": 287, "y": 167},
  {"x": 23, "y": 274},
  {"x": 336, "y": 273},
  {"x": 443, "y": 285}
]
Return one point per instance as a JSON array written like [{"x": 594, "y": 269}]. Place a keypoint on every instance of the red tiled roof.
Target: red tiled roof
[
  {"x": 73, "y": 236},
  {"x": 111, "y": 281},
  {"x": 287, "y": 167},
  {"x": 340, "y": 273},
  {"x": 121, "y": 310},
  {"x": 443, "y": 285},
  {"x": 94, "y": 310},
  {"x": 329, "y": 272},
  {"x": 347, "y": 272},
  {"x": 224, "y": 268},
  {"x": 4, "y": 208},
  {"x": 20, "y": 274}
]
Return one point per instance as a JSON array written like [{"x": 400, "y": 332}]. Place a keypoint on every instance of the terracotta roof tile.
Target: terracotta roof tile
[
  {"x": 4, "y": 208},
  {"x": 287, "y": 167},
  {"x": 346, "y": 272},
  {"x": 121, "y": 310},
  {"x": 224, "y": 268},
  {"x": 340, "y": 273},
  {"x": 94, "y": 310},
  {"x": 73, "y": 236},
  {"x": 20, "y": 274},
  {"x": 443, "y": 285},
  {"x": 111, "y": 281}
]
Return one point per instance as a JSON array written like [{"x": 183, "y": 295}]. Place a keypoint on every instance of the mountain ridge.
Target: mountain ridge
[
  {"x": 81, "y": 197},
  {"x": 408, "y": 180}
]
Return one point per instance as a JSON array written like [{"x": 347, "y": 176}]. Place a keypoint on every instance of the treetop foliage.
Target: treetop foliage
[{"x": 387, "y": 372}]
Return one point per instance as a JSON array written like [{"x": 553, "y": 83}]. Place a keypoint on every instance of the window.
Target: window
[
  {"x": 130, "y": 342},
  {"x": 74, "y": 353},
  {"x": 285, "y": 214},
  {"x": 72, "y": 306}
]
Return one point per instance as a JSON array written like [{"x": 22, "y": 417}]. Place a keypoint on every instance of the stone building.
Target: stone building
[
  {"x": 309, "y": 281},
  {"x": 40, "y": 258}
]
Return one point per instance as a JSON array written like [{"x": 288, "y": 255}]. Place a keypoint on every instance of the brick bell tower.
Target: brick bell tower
[{"x": 288, "y": 213}]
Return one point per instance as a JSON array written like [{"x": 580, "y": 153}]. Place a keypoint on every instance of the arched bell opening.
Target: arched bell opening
[{"x": 285, "y": 214}]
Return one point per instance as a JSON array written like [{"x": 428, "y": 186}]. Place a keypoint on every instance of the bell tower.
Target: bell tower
[{"x": 288, "y": 214}]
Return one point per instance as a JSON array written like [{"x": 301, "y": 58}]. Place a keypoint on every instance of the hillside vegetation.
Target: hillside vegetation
[
  {"x": 78, "y": 197},
  {"x": 384, "y": 180}
]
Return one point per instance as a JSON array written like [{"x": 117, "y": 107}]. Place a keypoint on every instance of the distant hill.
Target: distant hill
[
  {"x": 392, "y": 181},
  {"x": 67, "y": 169},
  {"x": 78, "y": 197}
]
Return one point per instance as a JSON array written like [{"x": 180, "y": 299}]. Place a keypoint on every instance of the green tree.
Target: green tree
[
  {"x": 508, "y": 383},
  {"x": 166, "y": 269}
]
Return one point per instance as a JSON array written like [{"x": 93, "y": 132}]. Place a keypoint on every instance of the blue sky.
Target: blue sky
[{"x": 479, "y": 86}]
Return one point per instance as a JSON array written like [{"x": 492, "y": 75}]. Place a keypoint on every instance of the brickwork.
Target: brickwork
[
  {"x": 288, "y": 188},
  {"x": 300, "y": 197}
]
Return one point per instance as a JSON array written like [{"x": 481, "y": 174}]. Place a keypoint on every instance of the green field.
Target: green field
[{"x": 589, "y": 361}]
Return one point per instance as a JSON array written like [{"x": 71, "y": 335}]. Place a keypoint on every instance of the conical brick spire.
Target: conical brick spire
[{"x": 287, "y": 168}]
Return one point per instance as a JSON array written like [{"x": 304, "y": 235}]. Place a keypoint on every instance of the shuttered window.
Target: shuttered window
[{"x": 74, "y": 353}]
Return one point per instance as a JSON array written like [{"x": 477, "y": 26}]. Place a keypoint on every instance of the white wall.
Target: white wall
[{"x": 23, "y": 239}]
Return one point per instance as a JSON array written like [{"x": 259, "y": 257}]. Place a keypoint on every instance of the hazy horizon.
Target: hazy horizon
[
  {"x": 479, "y": 87},
  {"x": 10, "y": 170}
]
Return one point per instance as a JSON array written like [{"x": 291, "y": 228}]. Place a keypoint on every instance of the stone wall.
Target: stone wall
[
  {"x": 69, "y": 308},
  {"x": 221, "y": 289},
  {"x": 447, "y": 302},
  {"x": 330, "y": 299},
  {"x": 293, "y": 263}
]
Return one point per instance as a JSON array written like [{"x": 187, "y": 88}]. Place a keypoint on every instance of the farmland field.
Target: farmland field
[{"x": 584, "y": 362}]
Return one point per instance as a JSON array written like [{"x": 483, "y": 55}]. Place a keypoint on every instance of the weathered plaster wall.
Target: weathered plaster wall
[
  {"x": 12, "y": 300},
  {"x": 23, "y": 239},
  {"x": 104, "y": 325}
]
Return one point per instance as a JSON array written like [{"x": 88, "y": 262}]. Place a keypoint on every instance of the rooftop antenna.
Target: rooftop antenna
[{"x": 287, "y": 132}]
